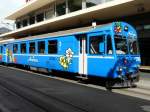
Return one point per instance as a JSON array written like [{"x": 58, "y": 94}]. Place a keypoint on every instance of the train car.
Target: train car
[
  {"x": 1, "y": 49},
  {"x": 4, "y": 51},
  {"x": 107, "y": 51}
]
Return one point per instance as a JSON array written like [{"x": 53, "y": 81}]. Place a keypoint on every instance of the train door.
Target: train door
[
  {"x": 99, "y": 60},
  {"x": 83, "y": 55},
  {"x": 9, "y": 52},
  {"x": 4, "y": 52}
]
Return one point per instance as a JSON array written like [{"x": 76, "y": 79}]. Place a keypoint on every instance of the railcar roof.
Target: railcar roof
[
  {"x": 61, "y": 33},
  {"x": 57, "y": 34}
]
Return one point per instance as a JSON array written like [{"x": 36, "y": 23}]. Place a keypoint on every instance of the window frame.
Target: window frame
[
  {"x": 97, "y": 35},
  {"x": 111, "y": 44},
  {"x": 53, "y": 45},
  {"x": 44, "y": 46},
  {"x": 21, "y": 48},
  {"x": 34, "y": 47},
  {"x": 17, "y": 50}
]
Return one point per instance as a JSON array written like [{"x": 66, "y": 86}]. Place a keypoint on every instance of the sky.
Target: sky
[{"x": 8, "y": 6}]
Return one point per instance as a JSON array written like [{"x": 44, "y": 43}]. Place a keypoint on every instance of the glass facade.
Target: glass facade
[
  {"x": 50, "y": 12},
  {"x": 32, "y": 20},
  {"x": 40, "y": 17},
  {"x": 57, "y": 8},
  {"x": 74, "y": 5},
  {"x": 90, "y": 3},
  {"x": 60, "y": 8}
]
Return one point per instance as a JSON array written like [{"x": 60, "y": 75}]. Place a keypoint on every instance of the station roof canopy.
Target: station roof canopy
[
  {"x": 27, "y": 8},
  {"x": 108, "y": 10}
]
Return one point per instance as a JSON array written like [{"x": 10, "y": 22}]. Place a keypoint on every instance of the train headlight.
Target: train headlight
[{"x": 119, "y": 69}]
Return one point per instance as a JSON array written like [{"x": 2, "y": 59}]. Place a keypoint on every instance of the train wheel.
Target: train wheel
[{"x": 108, "y": 85}]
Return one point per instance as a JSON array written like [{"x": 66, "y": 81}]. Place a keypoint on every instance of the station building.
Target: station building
[{"x": 44, "y": 16}]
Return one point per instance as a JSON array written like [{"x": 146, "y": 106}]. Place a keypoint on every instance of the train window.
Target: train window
[
  {"x": 52, "y": 47},
  {"x": 15, "y": 48},
  {"x": 23, "y": 48},
  {"x": 41, "y": 47},
  {"x": 121, "y": 45},
  {"x": 97, "y": 45},
  {"x": 133, "y": 46},
  {"x": 0, "y": 49},
  {"x": 32, "y": 48},
  {"x": 109, "y": 45}
]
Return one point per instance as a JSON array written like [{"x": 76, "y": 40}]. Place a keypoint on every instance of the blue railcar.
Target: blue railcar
[{"x": 108, "y": 51}]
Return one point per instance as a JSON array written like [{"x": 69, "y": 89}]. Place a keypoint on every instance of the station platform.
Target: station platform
[
  {"x": 145, "y": 68},
  {"x": 55, "y": 95}
]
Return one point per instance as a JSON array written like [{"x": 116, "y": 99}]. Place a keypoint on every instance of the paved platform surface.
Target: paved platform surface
[
  {"x": 27, "y": 92},
  {"x": 145, "y": 68}
]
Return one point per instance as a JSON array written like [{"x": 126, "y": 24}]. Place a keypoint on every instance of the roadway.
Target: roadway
[{"x": 26, "y": 92}]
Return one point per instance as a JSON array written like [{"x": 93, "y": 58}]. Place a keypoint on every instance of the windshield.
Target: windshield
[
  {"x": 133, "y": 46},
  {"x": 121, "y": 45}
]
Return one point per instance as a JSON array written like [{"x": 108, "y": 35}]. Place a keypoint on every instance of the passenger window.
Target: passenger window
[
  {"x": 32, "y": 48},
  {"x": 41, "y": 47},
  {"x": 23, "y": 48},
  {"x": 0, "y": 49},
  {"x": 52, "y": 47},
  {"x": 15, "y": 48},
  {"x": 109, "y": 45},
  {"x": 97, "y": 44}
]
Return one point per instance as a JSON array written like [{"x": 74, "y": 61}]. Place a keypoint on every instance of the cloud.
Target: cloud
[{"x": 8, "y": 6}]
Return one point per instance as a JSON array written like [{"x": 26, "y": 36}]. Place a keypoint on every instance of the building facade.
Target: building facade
[{"x": 44, "y": 16}]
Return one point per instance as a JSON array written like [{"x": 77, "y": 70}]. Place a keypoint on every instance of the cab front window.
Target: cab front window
[
  {"x": 121, "y": 45},
  {"x": 133, "y": 46}
]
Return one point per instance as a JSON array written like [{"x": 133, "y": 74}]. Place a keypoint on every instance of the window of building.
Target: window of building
[
  {"x": 50, "y": 13},
  {"x": 25, "y": 22},
  {"x": 74, "y": 5},
  {"x": 32, "y": 48},
  {"x": 52, "y": 47},
  {"x": 97, "y": 44},
  {"x": 41, "y": 47},
  {"x": 18, "y": 24},
  {"x": 32, "y": 20},
  {"x": 90, "y": 3},
  {"x": 40, "y": 17},
  {"x": 60, "y": 7},
  {"x": 23, "y": 48},
  {"x": 15, "y": 48}
]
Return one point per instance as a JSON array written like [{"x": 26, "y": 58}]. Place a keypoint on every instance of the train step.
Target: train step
[{"x": 83, "y": 77}]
